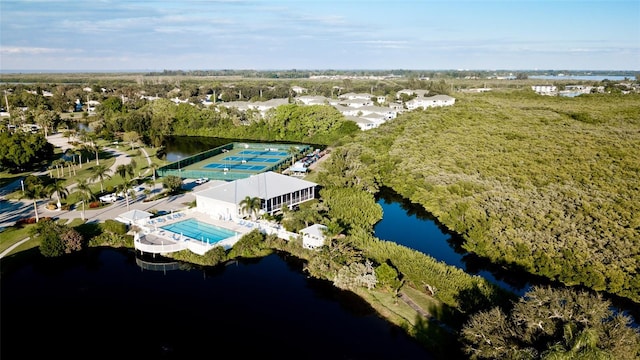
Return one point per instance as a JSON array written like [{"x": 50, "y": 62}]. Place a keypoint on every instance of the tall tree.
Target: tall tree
[
  {"x": 58, "y": 188},
  {"x": 126, "y": 188},
  {"x": 86, "y": 195},
  {"x": 35, "y": 190},
  {"x": 100, "y": 173}
]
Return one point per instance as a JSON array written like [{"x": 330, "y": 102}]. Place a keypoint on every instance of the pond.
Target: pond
[{"x": 104, "y": 304}]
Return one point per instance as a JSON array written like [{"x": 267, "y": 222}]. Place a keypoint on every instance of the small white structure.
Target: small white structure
[
  {"x": 135, "y": 216},
  {"x": 313, "y": 236},
  {"x": 274, "y": 190}
]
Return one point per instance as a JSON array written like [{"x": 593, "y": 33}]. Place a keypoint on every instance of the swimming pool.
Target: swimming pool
[{"x": 201, "y": 231}]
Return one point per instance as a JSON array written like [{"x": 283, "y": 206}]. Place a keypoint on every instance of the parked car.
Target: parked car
[
  {"x": 201, "y": 180},
  {"x": 109, "y": 198}
]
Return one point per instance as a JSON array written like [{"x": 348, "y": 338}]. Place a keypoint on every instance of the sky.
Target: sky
[{"x": 153, "y": 35}]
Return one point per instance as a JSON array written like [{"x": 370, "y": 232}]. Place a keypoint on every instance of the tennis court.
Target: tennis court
[
  {"x": 235, "y": 161},
  {"x": 252, "y": 159}
]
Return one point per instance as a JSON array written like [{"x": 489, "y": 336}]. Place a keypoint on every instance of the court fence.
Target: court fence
[{"x": 178, "y": 168}]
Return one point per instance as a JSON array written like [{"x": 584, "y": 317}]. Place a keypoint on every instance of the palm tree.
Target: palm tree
[
  {"x": 97, "y": 149},
  {"x": 251, "y": 205},
  {"x": 100, "y": 173},
  {"x": 84, "y": 191},
  {"x": 94, "y": 146},
  {"x": 154, "y": 167},
  {"x": 124, "y": 170},
  {"x": 126, "y": 188},
  {"x": 57, "y": 163},
  {"x": 57, "y": 187},
  {"x": 75, "y": 151},
  {"x": 35, "y": 190}
]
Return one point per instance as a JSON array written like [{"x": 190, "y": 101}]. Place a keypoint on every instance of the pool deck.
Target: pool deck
[{"x": 153, "y": 239}]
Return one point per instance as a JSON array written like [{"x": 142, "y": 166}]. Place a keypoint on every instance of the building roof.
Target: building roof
[
  {"x": 315, "y": 230},
  {"x": 133, "y": 216},
  {"x": 265, "y": 185}
]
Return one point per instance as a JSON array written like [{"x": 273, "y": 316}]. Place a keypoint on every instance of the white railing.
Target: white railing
[{"x": 159, "y": 248}]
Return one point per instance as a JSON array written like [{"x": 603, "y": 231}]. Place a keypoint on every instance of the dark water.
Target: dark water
[
  {"x": 180, "y": 147},
  {"x": 102, "y": 304},
  {"x": 410, "y": 225}
]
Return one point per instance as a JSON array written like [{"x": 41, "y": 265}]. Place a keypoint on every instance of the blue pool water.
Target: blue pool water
[{"x": 199, "y": 230}]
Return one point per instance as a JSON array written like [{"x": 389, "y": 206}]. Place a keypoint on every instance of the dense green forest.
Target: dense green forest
[{"x": 548, "y": 184}]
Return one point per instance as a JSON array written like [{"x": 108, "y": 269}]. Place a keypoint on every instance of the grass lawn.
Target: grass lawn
[{"x": 13, "y": 234}]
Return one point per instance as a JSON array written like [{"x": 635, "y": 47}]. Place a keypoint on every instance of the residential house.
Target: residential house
[
  {"x": 432, "y": 101},
  {"x": 354, "y": 96},
  {"x": 363, "y": 124},
  {"x": 545, "y": 89}
]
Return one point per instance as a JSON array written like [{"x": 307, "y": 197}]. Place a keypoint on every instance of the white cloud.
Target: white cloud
[{"x": 16, "y": 50}]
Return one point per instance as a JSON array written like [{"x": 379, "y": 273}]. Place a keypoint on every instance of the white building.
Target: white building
[
  {"x": 313, "y": 236},
  {"x": 545, "y": 89},
  {"x": 275, "y": 190},
  {"x": 432, "y": 101},
  {"x": 298, "y": 89}
]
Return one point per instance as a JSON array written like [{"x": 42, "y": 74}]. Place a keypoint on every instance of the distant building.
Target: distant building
[
  {"x": 432, "y": 101},
  {"x": 545, "y": 89}
]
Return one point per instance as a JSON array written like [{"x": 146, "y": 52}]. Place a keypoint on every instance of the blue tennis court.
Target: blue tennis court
[
  {"x": 235, "y": 167},
  {"x": 200, "y": 231},
  {"x": 265, "y": 152},
  {"x": 260, "y": 159}
]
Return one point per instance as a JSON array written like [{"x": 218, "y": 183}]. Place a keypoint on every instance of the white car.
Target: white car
[
  {"x": 109, "y": 198},
  {"x": 201, "y": 181}
]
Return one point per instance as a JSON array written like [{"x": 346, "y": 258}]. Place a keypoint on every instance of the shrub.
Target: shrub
[
  {"x": 114, "y": 226},
  {"x": 95, "y": 204}
]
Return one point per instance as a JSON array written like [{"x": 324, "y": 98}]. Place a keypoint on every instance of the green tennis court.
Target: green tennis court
[{"x": 235, "y": 161}]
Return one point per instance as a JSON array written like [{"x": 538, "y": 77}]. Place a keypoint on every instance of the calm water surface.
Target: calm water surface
[
  {"x": 102, "y": 304},
  {"x": 409, "y": 225}
]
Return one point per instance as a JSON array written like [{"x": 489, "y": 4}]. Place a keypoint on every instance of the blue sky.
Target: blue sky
[{"x": 300, "y": 34}]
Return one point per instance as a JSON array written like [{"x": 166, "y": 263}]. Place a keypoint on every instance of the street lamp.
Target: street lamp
[{"x": 22, "y": 184}]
